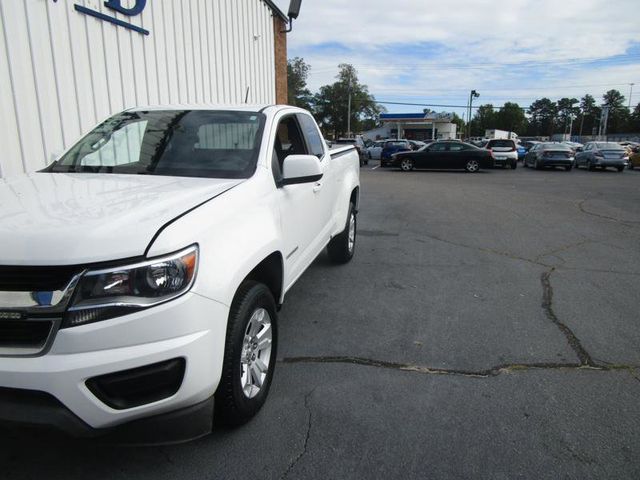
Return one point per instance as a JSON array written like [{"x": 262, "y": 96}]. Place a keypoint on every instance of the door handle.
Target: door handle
[{"x": 317, "y": 187}]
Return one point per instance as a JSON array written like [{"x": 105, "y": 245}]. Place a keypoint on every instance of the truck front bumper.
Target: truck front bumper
[{"x": 190, "y": 330}]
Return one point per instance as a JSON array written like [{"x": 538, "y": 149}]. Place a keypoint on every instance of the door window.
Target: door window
[
  {"x": 310, "y": 131},
  {"x": 438, "y": 147}
]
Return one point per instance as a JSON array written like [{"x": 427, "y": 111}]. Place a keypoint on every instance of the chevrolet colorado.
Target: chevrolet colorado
[{"x": 141, "y": 274}]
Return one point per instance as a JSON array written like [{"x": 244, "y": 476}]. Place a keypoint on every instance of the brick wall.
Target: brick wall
[{"x": 281, "y": 60}]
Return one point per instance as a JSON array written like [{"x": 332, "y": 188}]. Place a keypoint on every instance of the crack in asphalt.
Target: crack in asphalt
[
  {"x": 486, "y": 373},
  {"x": 547, "y": 306},
  {"x": 627, "y": 223},
  {"x": 306, "y": 438}
]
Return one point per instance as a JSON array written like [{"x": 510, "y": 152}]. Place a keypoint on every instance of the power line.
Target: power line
[{"x": 440, "y": 105}]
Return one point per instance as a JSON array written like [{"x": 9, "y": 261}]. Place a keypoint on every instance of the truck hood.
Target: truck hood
[{"x": 77, "y": 218}]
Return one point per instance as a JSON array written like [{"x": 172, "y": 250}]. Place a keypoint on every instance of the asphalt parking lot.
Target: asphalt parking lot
[{"x": 488, "y": 327}]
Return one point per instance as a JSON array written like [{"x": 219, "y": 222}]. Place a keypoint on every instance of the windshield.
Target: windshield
[
  {"x": 191, "y": 143},
  {"x": 608, "y": 146},
  {"x": 555, "y": 146}
]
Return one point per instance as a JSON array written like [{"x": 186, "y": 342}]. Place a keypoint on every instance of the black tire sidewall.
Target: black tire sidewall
[
  {"x": 338, "y": 248},
  {"x": 232, "y": 406}
]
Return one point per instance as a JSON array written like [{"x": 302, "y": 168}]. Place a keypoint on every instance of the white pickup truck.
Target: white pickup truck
[{"x": 142, "y": 272}]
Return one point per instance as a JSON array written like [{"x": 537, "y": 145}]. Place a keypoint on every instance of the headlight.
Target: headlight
[{"x": 111, "y": 292}]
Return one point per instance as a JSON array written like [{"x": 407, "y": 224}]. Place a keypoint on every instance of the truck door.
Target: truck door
[{"x": 304, "y": 209}]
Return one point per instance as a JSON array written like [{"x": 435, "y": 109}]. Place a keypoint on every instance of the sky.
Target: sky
[{"x": 436, "y": 52}]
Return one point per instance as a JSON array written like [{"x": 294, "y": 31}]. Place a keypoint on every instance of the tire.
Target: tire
[
  {"x": 591, "y": 167},
  {"x": 514, "y": 165},
  {"x": 620, "y": 169},
  {"x": 538, "y": 165},
  {"x": 342, "y": 247},
  {"x": 472, "y": 166},
  {"x": 366, "y": 162},
  {"x": 406, "y": 164},
  {"x": 568, "y": 168},
  {"x": 524, "y": 164},
  {"x": 239, "y": 397}
]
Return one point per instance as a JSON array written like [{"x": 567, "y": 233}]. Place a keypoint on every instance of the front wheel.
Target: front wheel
[
  {"x": 342, "y": 247},
  {"x": 472, "y": 166},
  {"x": 406, "y": 164},
  {"x": 249, "y": 354}
]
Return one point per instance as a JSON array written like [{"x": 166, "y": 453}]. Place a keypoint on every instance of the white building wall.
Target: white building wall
[{"x": 61, "y": 72}]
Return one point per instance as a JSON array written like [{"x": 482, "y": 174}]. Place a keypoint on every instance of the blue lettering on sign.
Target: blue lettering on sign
[
  {"x": 131, "y": 12},
  {"x": 117, "y": 6}
]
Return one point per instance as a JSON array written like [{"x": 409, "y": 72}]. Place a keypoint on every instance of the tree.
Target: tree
[
  {"x": 297, "y": 74},
  {"x": 460, "y": 124},
  {"x": 567, "y": 110},
  {"x": 589, "y": 114},
  {"x": 634, "y": 120},
  {"x": 543, "y": 113},
  {"x": 618, "y": 112},
  {"x": 484, "y": 119},
  {"x": 331, "y": 103},
  {"x": 511, "y": 118}
]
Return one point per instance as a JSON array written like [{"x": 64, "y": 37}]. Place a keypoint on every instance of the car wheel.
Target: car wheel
[
  {"x": 249, "y": 354},
  {"x": 591, "y": 167},
  {"x": 406, "y": 164},
  {"x": 514, "y": 165},
  {"x": 342, "y": 247},
  {"x": 538, "y": 165},
  {"x": 568, "y": 168},
  {"x": 620, "y": 169},
  {"x": 472, "y": 166}
]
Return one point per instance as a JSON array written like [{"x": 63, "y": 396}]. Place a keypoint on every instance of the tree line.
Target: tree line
[{"x": 544, "y": 117}]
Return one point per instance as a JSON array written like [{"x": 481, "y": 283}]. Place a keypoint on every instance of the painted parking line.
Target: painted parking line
[{"x": 377, "y": 166}]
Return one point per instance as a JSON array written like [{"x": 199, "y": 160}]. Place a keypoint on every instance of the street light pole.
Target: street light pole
[
  {"x": 630, "y": 93},
  {"x": 472, "y": 95}
]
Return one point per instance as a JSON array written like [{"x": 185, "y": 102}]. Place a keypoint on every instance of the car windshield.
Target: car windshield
[
  {"x": 608, "y": 146},
  {"x": 501, "y": 143},
  {"x": 555, "y": 146},
  {"x": 191, "y": 143},
  {"x": 345, "y": 141}
]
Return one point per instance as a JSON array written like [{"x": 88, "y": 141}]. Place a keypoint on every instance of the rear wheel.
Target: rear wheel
[
  {"x": 406, "y": 164},
  {"x": 342, "y": 247},
  {"x": 472, "y": 166},
  {"x": 249, "y": 354}
]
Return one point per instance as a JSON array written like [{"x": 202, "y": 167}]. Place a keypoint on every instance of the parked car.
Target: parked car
[
  {"x": 505, "y": 153},
  {"x": 602, "y": 155},
  {"x": 374, "y": 151},
  {"x": 141, "y": 274},
  {"x": 445, "y": 155},
  {"x": 522, "y": 152},
  {"x": 549, "y": 154},
  {"x": 529, "y": 143},
  {"x": 357, "y": 142},
  {"x": 634, "y": 158},
  {"x": 416, "y": 145},
  {"x": 391, "y": 147}
]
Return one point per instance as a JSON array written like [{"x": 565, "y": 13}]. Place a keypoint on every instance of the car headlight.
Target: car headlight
[{"x": 111, "y": 292}]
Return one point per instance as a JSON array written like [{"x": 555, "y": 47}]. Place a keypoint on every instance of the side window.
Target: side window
[
  {"x": 589, "y": 146},
  {"x": 288, "y": 141},
  {"x": 310, "y": 131},
  {"x": 438, "y": 147},
  {"x": 456, "y": 147}
]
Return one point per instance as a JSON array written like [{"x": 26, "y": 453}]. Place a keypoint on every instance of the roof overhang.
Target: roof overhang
[{"x": 276, "y": 11}]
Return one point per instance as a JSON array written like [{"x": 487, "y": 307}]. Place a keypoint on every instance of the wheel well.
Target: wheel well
[
  {"x": 270, "y": 272},
  {"x": 355, "y": 197}
]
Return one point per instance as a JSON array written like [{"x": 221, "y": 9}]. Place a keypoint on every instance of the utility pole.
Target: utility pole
[{"x": 630, "y": 93}]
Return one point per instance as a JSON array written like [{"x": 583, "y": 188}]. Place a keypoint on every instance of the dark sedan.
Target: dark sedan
[
  {"x": 543, "y": 155},
  {"x": 602, "y": 155},
  {"x": 444, "y": 156}
]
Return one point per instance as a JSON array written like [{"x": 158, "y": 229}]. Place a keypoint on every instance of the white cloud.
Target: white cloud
[{"x": 519, "y": 49}]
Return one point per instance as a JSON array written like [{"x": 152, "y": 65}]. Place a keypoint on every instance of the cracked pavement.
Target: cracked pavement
[{"x": 488, "y": 327}]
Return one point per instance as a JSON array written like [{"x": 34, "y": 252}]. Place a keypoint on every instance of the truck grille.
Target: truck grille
[
  {"x": 28, "y": 336},
  {"x": 36, "y": 279}
]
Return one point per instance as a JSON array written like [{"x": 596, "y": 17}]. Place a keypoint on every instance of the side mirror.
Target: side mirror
[{"x": 298, "y": 169}]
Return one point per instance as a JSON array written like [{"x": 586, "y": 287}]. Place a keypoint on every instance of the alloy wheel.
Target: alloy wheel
[{"x": 256, "y": 353}]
